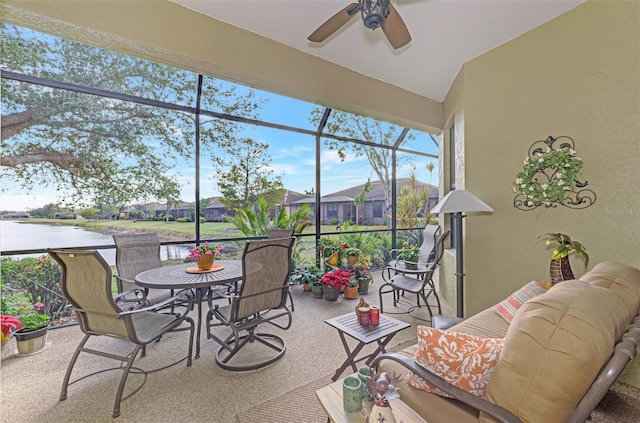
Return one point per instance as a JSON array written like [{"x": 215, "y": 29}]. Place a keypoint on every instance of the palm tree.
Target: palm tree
[{"x": 560, "y": 268}]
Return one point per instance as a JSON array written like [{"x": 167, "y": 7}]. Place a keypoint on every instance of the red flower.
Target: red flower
[
  {"x": 337, "y": 278},
  {"x": 8, "y": 323}
]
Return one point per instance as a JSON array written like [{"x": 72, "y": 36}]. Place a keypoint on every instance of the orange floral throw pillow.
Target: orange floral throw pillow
[{"x": 465, "y": 361}]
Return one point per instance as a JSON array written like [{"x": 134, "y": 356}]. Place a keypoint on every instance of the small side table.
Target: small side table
[
  {"x": 330, "y": 398},
  {"x": 382, "y": 334}
]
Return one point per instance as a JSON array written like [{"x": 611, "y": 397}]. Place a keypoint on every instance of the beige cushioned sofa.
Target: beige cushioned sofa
[{"x": 562, "y": 352}]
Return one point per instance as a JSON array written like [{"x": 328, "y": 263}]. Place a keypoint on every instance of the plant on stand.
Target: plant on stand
[
  {"x": 334, "y": 282},
  {"x": 350, "y": 254},
  {"x": 560, "y": 268}
]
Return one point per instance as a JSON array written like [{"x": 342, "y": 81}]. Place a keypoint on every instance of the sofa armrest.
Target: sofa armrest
[{"x": 480, "y": 404}]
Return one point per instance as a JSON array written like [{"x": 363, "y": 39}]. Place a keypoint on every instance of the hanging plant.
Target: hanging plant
[{"x": 548, "y": 175}]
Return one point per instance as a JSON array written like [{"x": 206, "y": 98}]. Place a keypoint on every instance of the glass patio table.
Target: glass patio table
[{"x": 176, "y": 277}]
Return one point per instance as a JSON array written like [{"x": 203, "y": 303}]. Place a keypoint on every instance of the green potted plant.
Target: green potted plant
[
  {"x": 333, "y": 282},
  {"x": 361, "y": 273},
  {"x": 330, "y": 250},
  {"x": 351, "y": 254},
  {"x": 305, "y": 276},
  {"x": 205, "y": 255},
  {"x": 560, "y": 268},
  {"x": 409, "y": 253},
  {"x": 32, "y": 336}
]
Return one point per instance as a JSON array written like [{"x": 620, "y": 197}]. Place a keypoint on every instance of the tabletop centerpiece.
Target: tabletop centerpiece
[{"x": 205, "y": 255}]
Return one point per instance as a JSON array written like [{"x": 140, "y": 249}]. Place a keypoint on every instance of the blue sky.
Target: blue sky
[{"x": 292, "y": 157}]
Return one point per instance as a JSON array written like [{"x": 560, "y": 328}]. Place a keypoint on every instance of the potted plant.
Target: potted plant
[
  {"x": 351, "y": 290},
  {"x": 330, "y": 249},
  {"x": 351, "y": 254},
  {"x": 361, "y": 274},
  {"x": 32, "y": 336},
  {"x": 560, "y": 268},
  {"x": 205, "y": 255},
  {"x": 305, "y": 276},
  {"x": 333, "y": 282},
  {"x": 409, "y": 254}
]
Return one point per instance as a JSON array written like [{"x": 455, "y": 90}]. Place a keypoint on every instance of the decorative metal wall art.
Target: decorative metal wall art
[{"x": 550, "y": 177}]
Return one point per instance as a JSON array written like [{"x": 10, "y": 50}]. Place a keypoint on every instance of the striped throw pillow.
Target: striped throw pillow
[{"x": 508, "y": 307}]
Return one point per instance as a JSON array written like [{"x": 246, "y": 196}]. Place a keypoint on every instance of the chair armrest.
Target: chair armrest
[
  {"x": 180, "y": 295},
  {"x": 139, "y": 295},
  {"x": 477, "y": 403}
]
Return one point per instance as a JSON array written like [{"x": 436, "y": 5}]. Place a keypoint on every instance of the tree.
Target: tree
[
  {"x": 250, "y": 178},
  {"x": 364, "y": 129},
  {"x": 256, "y": 219},
  {"x": 66, "y": 140},
  {"x": 411, "y": 202},
  {"x": 90, "y": 212}
]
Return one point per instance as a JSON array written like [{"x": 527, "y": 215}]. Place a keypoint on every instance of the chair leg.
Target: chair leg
[
  {"x": 123, "y": 380},
  {"x": 291, "y": 299},
  {"x": 67, "y": 376}
]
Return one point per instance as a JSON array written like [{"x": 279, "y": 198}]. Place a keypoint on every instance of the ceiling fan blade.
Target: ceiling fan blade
[
  {"x": 395, "y": 29},
  {"x": 334, "y": 23}
]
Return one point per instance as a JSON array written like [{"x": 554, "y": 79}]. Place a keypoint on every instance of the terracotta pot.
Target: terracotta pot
[
  {"x": 306, "y": 287},
  {"x": 206, "y": 261},
  {"x": 351, "y": 292},
  {"x": 351, "y": 260}
]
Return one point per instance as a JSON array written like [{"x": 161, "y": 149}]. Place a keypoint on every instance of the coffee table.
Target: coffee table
[
  {"x": 349, "y": 324},
  {"x": 330, "y": 398}
]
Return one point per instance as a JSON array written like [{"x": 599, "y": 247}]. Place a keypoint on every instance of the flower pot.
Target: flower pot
[
  {"x": 351, "y": 260},
  {"x": 316, "y": 291},
  {"x": 205, "y": 262},
  {"x": 411, "y": 264},
  {"x": 30, "y": 341},
  {"x": 351, "y": 292},
  {"x": 330, "y": 292},
  {"x": 363, "y": 285},
  {"x": 333, "y": 259},
  {"x": 306, "y": 287}
]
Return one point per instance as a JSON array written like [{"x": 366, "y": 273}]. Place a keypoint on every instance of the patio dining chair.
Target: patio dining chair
[
  {"x": 261, "y": 299},
  {"x": 284, "y": 233},
  {"x": 420, "y": 284},
  {"x": 86, "y": 283},
  {"x": 136, "y": 253}
]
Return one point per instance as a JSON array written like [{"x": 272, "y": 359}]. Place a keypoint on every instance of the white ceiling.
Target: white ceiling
[{"x": 445, "y": 33}]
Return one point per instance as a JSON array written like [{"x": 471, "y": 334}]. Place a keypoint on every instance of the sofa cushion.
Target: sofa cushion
[
  {"x": 507, "y": 308},
  {"x": 554, "y": 349},
  {"x": 463, "y": 360}
]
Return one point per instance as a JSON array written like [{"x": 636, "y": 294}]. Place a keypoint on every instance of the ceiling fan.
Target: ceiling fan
[{"x": 375, "y": 14}]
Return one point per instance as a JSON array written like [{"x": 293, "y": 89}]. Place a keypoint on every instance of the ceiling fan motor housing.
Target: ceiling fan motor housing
[{"x": 374, "y": 12}]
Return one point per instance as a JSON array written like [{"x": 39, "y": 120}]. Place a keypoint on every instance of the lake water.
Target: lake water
[{"x": 24, "y": 236}]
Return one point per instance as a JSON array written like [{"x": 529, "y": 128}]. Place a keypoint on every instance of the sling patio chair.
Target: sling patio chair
[
  {"x": 425, "y": 255},
  {"x": 420, "y": 283},
  {"x": 86, "y": 283},
  {"x": 136, "y": 253},
  {"x": 261, "y": 299},
  {"x": 284, "y": 233}
]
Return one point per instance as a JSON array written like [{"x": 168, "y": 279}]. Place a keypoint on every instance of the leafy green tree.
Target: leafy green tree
[
  {"x": 250, "y": 177},
  {"x": 66, "y": 140},
  {"x": 90, "y": 212},
  {"x": 411, "y": 203},
  {"x": 46, "y": 211}
]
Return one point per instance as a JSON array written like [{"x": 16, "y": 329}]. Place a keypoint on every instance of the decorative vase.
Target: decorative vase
[
  {"x": 330, "y": 292},
  {"x": 31, "y": 341},
  {"x": 205, "y": 261},
  {"x": 316, "y": 291},
  {"x": 381, "y": 412},
  {"x": 363, "y": 285},
  {"x": 351, "y": 394},
  {"x": 560, "y": 270}
]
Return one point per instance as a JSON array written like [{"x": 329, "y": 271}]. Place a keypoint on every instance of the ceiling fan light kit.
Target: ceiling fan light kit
[{"x": 375, "y": 14}]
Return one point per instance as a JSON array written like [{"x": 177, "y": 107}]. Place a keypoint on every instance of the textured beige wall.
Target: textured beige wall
[
  {"x": 577, "y": 75},
  {"x": 168, "y": 33}
]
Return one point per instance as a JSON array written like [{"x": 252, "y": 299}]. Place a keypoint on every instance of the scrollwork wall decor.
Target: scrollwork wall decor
[{"x": 551, "y": 177}]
